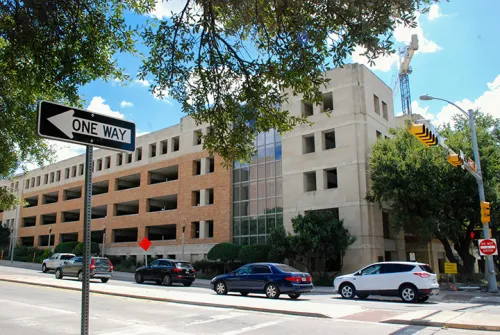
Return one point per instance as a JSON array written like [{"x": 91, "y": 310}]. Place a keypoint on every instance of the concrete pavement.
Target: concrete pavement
[
  {"x": 472, "y": 317},
  {"x": 28, "y": 309}
]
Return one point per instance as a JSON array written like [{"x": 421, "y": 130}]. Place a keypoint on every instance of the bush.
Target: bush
[
  {"x": 275, "y": 256},
  {"x": 224, "y": 252},
  {"x": 25, "y": 254},
  {"x": 65, "y": 247},
  {"x": 211, "y": 267},
  {"x": 94, "y": 249},
  {"x": 254, "y": 253}
]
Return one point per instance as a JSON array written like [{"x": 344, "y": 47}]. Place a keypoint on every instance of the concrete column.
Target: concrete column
[
  {"x": 203, "y": 229},
  {"x": 320, "y": 180},
  {"x": 203, "y": 197},
  {"x": 318, "y": 141},
  {"x": 204, "y": 165}
]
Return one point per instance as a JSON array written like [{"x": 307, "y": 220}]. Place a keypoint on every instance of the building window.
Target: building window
[
  {"x": 308, "y": 144},
  {"x": 211, "y": 164},
  {"x": 129, "y": 158},
  {"x": 331, "y": 178},
  {"x": 164, "y": 147},
  {"x": 329, "y": 139},
  {"x": 210, "y": 130},
  {"x": 379, "y": 135},
  {"x": 310, "y": 181},
  {"x": 119, "y": 159},
  {"x": 175, "y": 143},
  {"x": 46, "y": 179},
  {"x": 385, "y": 113},
  {"x": 80, "y": 170},
  {"x": 138, "y": 154},
  {"x": 195, "y": 229},
  {"x": 66, "y": 173},
  {"x": 58, "y": 175},
  {"x": 107, "y": 162},
  {"x": 209, "y": 228},
  {"x": 307, "y": 108},
  {"x": 376, "y": 104},
  {"x": 52, "y": 177},
  {"x": 27, "y": 186},
  {"x": 210, "y": 196},
  {"x": 152, "y": 150},
  {"x": 328, "y": 102},
  {"x": 195, "y": 198},
  {"x": 197, "y": 136},
  {"x": 197, "y": 167},
  {"x": 386, "y": 226},
  {"x": 33, "y": 182},
  {"x": 99, "y": 164},
  {"x": 38, "y": 181}
]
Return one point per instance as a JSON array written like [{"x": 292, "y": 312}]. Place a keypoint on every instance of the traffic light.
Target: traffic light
[
  {"x": 455, "y": 160},
  {"x": 485, "y": 212},
  {"x": 423, "y": 134}
]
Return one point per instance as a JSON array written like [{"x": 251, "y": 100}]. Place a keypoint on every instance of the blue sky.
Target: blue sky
[{"x": 457, "y": 60}]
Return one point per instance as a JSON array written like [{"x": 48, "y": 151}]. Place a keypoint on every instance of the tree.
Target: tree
[
  {"x": 229, "y": 62},
  {"x": 48, "y": 50},
  {"x": 94, "y": 249},
  {"x": 65, "y": 247},
  {"x": 282, "y": 245},
  {"x": 322, "y": 234},
  {"x": 429, "y": 197},
  {"x": 4, "y": 235},
  {"x": 254, "y": 253},
  {"x": 224, "y": 252}
]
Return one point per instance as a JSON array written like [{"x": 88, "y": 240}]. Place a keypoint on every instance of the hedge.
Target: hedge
[
  {"x": 94, "y": 249},
  {"x": 254, "y": 253},
  {"x": 65, "y": 247}
]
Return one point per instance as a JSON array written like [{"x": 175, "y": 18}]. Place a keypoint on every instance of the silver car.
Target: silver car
[{"x": 55, "y": 261}]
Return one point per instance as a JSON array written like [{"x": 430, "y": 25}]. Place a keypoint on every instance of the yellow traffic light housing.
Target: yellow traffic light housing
[
  {"x": 423, "y": 134},
  {"x": 455, "y": 160},
  {"x": 485, "y": 212}
]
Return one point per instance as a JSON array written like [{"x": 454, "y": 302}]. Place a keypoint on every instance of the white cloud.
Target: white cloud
[
  {"x": 97, "y": 105},
  {"x": 434, "y": 12},
  {"x": 164, "y": 8},
  {"x": 162, "y": 95},
  {"x": 487, "y": 102},
  {"x": 141, "y": 133},
  {"x": 402, "y": 35},
  {"x": 143, "y": 82},
  {"x": 125, "y": 104}
]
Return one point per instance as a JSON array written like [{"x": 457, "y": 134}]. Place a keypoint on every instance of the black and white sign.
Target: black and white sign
[{"x": 68, "y": 124}]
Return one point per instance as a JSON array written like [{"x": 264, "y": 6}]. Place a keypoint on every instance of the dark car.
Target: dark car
[
  {"x": 269, "y": 278},
  {"x": 166, "y": 272},
  {"x": 100, "y": 268}
]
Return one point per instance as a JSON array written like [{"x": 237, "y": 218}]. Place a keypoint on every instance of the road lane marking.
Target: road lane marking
[
  {"x": 37, "y": 306},
  {"x": 259, "y": 326},
  {"x": 215, "y": 318}
]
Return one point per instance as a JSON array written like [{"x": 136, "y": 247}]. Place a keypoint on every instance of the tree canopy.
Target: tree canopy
[{"x": 428, "y": 196}]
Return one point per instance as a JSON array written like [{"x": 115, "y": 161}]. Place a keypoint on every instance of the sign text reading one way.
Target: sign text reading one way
[{"x": 69, "y": 124}]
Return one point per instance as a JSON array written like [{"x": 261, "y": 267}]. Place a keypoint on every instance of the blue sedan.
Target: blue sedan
[{"x": 269, "y": 278}]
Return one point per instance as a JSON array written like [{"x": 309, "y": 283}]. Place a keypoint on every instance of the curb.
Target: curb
[
  {"x": 184, "y": 302},
  {"x": 424, "y": 323}
]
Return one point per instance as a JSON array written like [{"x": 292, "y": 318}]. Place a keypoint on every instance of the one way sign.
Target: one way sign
[{"x": 68, "y": 124}]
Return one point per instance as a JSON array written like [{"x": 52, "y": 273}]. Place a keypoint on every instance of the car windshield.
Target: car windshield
[
  {"x": 184, "y": 265},
  {"x": 101, "y": 262},
  {"x": 286, "y": 268},
  {"x": 66, "y": 257}
]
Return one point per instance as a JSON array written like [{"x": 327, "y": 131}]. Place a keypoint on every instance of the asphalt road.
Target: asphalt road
[
  {"x": 371, "y": 303},
  {"x": 28, "y": 309}
]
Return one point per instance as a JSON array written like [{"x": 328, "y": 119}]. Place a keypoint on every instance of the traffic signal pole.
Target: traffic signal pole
[{"x": 492, "y": 280}]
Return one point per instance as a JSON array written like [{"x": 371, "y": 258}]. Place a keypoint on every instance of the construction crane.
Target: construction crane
[{"x": 403, "y": 74}]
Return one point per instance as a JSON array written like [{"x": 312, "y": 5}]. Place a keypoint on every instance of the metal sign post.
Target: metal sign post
[
  {"x": 68, "y": 124},
  {"x": 86, "y": 240}
]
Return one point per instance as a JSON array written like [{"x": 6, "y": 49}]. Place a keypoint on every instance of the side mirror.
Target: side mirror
[
  {"x": 65, "y": 262},
  {"x": 233, "y": 273}
]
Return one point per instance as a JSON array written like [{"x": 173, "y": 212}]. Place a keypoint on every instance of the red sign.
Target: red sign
[
  {"x": 488, "y": 247},
  {"x": 145, "y": 244}
]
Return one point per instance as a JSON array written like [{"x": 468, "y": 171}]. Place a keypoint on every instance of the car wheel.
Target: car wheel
[
  {"x": 408, "y": 293},
  {"x": 221, "y": 287},
  {"x": 104, "y": 280},
  {"x": 272, "y": 291},
  {"x": 187, "y": 284},
  {"x": 294, "y": 296},
  {"x": 244, "y": 293},
  {"x": 80, "y": 275},
  {"x": 44, "y": 268},
  {"x": 423, "y": 299},
  {"x": 362, "y": 296},
  {"x": 139, "y": 279},
  {"x": 167, "y": 280},
  {"x": 59, "y": 274},
  {"x": 347, "y": 291}
]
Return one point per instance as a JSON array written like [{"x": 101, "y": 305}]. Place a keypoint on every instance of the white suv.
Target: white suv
[
  {"x": 411, "y": 281},
  {"x": 55, "y": 261}
]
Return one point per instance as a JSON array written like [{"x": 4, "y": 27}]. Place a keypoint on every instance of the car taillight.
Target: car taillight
[
  {"x": 294, "y": 279},
  {"x": 92, "y": 264},
  {"x": 111, "y": 267},
  {"x": 309, "y": 278},
  {"x": 422, "y": 274},
  {"x": 177, "y": 270}
]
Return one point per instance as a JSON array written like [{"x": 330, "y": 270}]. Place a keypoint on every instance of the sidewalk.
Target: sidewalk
[{"x": 433, "y": 318}]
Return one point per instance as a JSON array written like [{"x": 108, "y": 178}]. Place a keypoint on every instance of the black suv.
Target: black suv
[{"x": 166, "y": 272}]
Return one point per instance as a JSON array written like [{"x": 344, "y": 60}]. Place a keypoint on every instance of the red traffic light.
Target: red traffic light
[{"x": 472, "y": 235}]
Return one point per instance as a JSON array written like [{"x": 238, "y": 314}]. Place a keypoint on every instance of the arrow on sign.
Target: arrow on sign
[{"x": 68, "y": 124}]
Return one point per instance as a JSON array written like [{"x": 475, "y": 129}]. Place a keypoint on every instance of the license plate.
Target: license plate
[{"x": 303, "y": 278}]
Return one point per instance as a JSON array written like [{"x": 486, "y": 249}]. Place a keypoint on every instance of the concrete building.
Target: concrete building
[{"x": 167, "y": 183}]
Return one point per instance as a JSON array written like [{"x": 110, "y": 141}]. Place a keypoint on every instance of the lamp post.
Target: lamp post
[
  {"x": 183, "y": 230},
  {"x": 50, "y": 233},
  {"x": 490, "y": 266},
  {"x": 103, "y": 240}
]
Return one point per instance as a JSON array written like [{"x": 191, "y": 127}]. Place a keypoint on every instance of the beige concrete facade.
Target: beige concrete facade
[
  {"x": 195, "y": 196},
  {"x": 362, "y": 111}
]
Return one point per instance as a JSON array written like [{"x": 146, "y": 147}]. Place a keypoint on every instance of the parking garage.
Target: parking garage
[
  {"x": 48, "y": 218},
  {"x": 43, "y": 240},
  {"x": 164, "y": 203},
  {"x": 29, "y": 221},
  {"x": 28, "y": 241},
  {"x": 70, "y": 216},
  {"x": 72, "y": 193},
  {"x": 68, "y": 237},
  {"x": 125, "y": 235},
  {"x": 163, "y": 232},
  {"x": 101, "y": 187},
  {"x": 99, "y": 212},
  {"x": 31, "y": 201},
  {"x": 163, "y": 175},
  {"x": 127, "y": 208},
  {"x": 50, "y": 198},
  {"x": 127, "y": 182}
]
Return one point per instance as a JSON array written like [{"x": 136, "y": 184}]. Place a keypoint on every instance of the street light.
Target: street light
[
  {"x": 103, "y": 240},
  {"x": 50, "y": 232},
  {"x": 492, "y": 282},
  {"x": 183, "y": 230}
]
